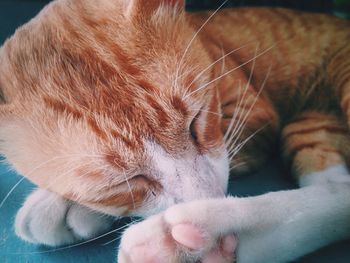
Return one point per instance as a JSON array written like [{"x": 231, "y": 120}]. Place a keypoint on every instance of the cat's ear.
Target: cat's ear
[{"x": 147, "y": 7}]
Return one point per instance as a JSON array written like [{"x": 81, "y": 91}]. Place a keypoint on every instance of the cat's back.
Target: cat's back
[
  {"x": 295, "y": 46},
  {"x": 298, "y": 33},
  {"x": 257, "y": 19}
]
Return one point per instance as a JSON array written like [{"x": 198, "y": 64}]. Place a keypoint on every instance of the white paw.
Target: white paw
[
  {"x": 177, "y": 235},
  {"x": 47, "y": 218}
]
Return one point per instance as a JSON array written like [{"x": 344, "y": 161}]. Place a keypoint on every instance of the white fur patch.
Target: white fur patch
[
  {"x": 46, "y": 218},
  {"x": 338, "y": 173},
  {"x": 276, "y": 227},
  {"x": 184, "y": 179}
]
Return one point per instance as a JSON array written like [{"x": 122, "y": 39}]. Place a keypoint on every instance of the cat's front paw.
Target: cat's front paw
[
  {"x": 47, "y": 218},
  {"x": 176, "y": 236}
]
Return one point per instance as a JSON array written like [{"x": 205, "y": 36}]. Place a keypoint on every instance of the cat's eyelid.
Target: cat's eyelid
[
  {"x": 193, "y": 120},
  {"x": 195, "y": 113},
  {"x": 204, "y": 106}
]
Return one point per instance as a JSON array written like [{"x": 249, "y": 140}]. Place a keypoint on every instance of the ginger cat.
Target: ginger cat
[{"x": 129, "y": 107}]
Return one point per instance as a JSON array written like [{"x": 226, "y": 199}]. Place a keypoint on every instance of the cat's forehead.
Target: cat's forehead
[
  {"x": 80, "y": 43},
  {"x": 92, "y": 64}
]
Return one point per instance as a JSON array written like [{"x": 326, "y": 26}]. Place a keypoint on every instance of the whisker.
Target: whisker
[
  {"x": 215, "y": 62},
  {"x": 243, "y": 97},
  {"x": 236, "y": 111},
  {"x": 39, "y": 166},
  {"x": 237, "y": 129},
  {"x": 11, "y": 191},
  {"x": 230, "y": 71},
  {"x": 245, "y": 119},
  {"x": 237, "y": 165},
  {"x": 241, "y": 145},
  {"x": 60, "y": 157},
  {"x": 242, "y": 159},
  {"x": 77, "y": 244},
  {"x": 223, "y": 56},
  {"x": 59, "y": 176},
  {"x": 115, "y": 239},
  {"x": 76, "y": 197},
  {"x": 30, "y": 173},
  {"x": 130, "y": 190},
  {"x": 207, "y": 111},
  {"x": 195, "y": 36}
]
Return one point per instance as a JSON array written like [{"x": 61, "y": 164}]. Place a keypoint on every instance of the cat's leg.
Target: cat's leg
[
  {"x": 47, "y": 218},
  {"x": 275, "y": 227},
  {"x": 317, "y": 147}
]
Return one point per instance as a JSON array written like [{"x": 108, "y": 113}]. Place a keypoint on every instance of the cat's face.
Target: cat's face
[{"x": 101, "y": 106}]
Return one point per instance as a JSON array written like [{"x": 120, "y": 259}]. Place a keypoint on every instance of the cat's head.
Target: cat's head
[{"x": 104, "y": 103}]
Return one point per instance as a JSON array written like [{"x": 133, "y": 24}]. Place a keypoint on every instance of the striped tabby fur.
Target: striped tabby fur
[{"x": 129, "y": 107}]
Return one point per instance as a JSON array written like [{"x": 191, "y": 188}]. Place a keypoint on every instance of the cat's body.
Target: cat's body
[
  {"x": 117, "y": 106},
  {"x": 299, "y": 56}
]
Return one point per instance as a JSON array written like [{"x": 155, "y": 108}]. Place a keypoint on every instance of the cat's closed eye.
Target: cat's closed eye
[{"x": 194, "y": 128}]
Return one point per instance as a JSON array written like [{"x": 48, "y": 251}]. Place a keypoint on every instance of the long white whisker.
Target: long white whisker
[
  {"x": 122, "y": 228},
  {"x": 243, "y": 122},
  {"x": 11, "y": 191},
  {"x": 215, "y": 62},
  {"x": 245, "y": 92},
  {"x": 242, "y": 144},
  {"x": 223, "y": 56},
  {"x": 238, "y": 165},
  {"x": 76, "y": 198},
  {"x": 228, "y": 72},
  {"x": 195, "y": 36},
  {"x": 130, "y": 190},
  {"x": 33, "y": 170},
  {"x": 77, "y": 244},
  {"x": 243, "y": 159},
  {"x": 207, "y": 111},
  {"x": 236, "y": 111}
]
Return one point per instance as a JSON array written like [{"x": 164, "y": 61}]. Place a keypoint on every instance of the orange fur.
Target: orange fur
[{"x": 93, "y": 80}]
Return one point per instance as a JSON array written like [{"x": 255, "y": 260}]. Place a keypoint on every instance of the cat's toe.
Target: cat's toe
[
  {"x": 158, "y": 240},
  {"x": 147, "y": 241},
  {"x": 41, "y": 220},
  {"x": 85, "y": 223},
  {"x": 211, "y": 248},
  {"x": 223, "y": 252},
  {"x": 189, "y": 236},
  {"x": 48, "y": 219}
]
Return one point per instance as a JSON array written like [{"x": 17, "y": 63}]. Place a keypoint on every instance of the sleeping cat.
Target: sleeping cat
[{"x": 130, "y": 107}]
